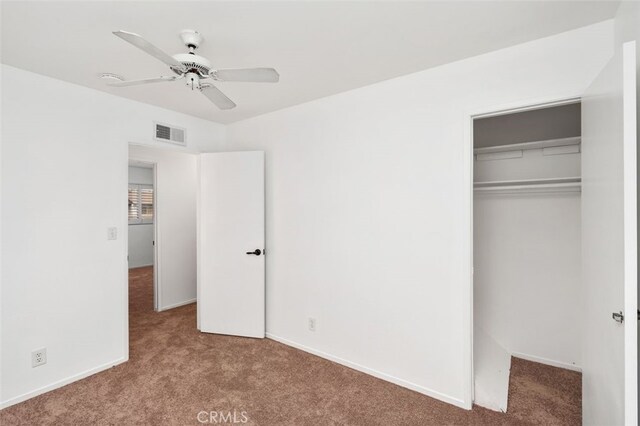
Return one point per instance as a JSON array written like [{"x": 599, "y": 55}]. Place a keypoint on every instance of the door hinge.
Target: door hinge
[{"x": 618, "y": 317}]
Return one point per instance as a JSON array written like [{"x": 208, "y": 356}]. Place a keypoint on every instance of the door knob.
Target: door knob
[
  {"x": 618, "y": 317},
  {"x": 257, "y": 252}
]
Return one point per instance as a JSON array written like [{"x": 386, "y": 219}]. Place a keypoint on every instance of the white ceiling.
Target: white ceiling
[{"x": 319, "y": 48}]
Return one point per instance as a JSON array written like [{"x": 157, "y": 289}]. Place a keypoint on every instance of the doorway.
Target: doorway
[
  {"x": 608, "y": 240},
  {"x": 142, "y": 249},
  {"x": 526, "y": 250}
]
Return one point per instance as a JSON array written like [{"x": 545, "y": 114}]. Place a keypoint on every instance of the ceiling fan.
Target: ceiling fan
[{"x": 195, "y": 69}]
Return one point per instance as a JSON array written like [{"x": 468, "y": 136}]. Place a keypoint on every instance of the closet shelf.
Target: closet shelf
[
  {"x": 568, "y": 184},
  {"x": 529, "y": 145}
]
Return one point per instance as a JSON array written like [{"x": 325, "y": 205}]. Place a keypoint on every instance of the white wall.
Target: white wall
[
  {"x": 141, "y": 175},
  {"x": 140, "y": 245},
  {"x": 64, "y": 285},
  {"x": 368, "y": 208},
  {"x": 176, "y": 179},
  {"x": 527, "y": 267},
  {"x": 140, "y": 234},
  {"x": 527, "y": 274}
]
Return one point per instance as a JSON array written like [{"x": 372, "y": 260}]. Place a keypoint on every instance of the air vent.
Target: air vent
[{"x": 170, "y": 134}]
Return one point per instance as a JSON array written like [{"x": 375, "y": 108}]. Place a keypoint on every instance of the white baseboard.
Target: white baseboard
[
  {"x": 177, "y": 305},
  {"x": 546, "y": 361},
  {"x": 60, "y": 383},
  {"x": 400, "y": 382},
  {"x": 140, "y": 266}
]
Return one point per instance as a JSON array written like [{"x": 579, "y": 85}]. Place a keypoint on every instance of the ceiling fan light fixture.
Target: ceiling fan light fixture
[{"x": 192, "y": 80}]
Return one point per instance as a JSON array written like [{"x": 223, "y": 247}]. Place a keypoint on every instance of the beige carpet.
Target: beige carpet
[{"x": 175, "y": 372}]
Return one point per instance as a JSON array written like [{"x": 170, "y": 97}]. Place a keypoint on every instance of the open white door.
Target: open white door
[
  {"x": 609, "y": 244},
  {"x": 231, "y": 244}
]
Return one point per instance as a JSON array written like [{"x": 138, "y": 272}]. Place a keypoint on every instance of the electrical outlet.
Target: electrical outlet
[
  {"x": 112, "y": 233},
  {"x": 312, "y": 324},
  {"x": 39, "y": 357}
]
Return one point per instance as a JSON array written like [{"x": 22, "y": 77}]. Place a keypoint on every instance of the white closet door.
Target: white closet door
[
  {"x": 609, "y": 245},
  {"x": 231, "y": 262}
]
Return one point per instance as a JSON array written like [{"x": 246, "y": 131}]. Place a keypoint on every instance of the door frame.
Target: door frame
[
  {"x": 630, "y": 217},
  {"x": 133, "y": 161},
  {"x": 469, "y": 117}
]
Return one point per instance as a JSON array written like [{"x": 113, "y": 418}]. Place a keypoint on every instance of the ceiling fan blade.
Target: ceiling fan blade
[
  {"x": 138, "y": 82},
  {"x": 258, "y": 75},
  {"x": 149, "y": 48},
  {"x": 217, "y": 97}
]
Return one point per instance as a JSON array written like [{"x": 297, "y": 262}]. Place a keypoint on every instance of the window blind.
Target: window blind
[{"x": 141, "y": 204}]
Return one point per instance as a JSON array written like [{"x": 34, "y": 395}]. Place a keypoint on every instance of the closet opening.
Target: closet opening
[{"x": 527, "y": 255}]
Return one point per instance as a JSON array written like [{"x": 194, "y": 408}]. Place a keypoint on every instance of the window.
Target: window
[{"x": 140, "y": 204}]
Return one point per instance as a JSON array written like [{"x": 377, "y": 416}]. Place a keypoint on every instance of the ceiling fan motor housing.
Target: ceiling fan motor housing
[{"x": 193, "y": 63}]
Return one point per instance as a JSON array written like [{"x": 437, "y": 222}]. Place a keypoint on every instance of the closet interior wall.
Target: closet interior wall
[{"x": 527, "y": 239}]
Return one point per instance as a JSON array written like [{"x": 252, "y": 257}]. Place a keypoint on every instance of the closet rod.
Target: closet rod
[
  {"x": 568, "y": 184},
  {"x": 543, "y": 187},
  {"x": 570, "y": 179}
]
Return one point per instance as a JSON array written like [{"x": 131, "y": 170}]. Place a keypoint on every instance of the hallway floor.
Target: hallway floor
[{"x": 175, "y": 372}]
